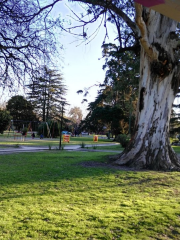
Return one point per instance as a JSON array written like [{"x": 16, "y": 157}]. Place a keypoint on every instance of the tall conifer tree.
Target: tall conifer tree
[{"x": 46, "y": 92}]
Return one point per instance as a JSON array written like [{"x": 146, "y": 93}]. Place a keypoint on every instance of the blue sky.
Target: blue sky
[
  {"x": 82, "y": 69},
  {"x": 82, "y": 64}
]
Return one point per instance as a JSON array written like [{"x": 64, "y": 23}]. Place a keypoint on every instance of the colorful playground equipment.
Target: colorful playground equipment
[
  {"x": 66, "y": 138},
  {"x": 95, "y": 138}
]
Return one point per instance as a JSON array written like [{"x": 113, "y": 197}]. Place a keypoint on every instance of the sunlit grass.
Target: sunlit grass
[
  {"x": 9, "y": 141},
  {"x": 50, "y": 195},
  {"x": 47, "y": 141},
  {"x": 116, "y": 147},
  {"x": 176, "y": 149}
]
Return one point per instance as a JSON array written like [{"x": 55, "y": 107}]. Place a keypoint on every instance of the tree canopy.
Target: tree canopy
[
  {"x": 115, "y": 106},
  {"x": 5, "y": 119},
  {"x": 75, "y": 115},
  {"x": 46, "y": 93},
  {"x": 21, "y": 110}
]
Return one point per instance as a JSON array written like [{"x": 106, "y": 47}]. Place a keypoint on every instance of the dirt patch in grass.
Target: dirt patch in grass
[{"x": 108, "y": 165}]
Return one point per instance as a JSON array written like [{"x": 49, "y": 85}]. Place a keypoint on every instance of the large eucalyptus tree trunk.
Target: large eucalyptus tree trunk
[{"x": 159, "y": 82}]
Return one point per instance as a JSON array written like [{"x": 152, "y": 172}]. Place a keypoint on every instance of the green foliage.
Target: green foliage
[
  {"x": 82, "y": 145},
  {"x": 49, "y": 129},
  {"x": 123, "y": 140},
  {"x": 105, "y": 116},
  {"x": 46, "y": 92},
  {"x": 24, "y": 131},
  {"x": 174, "y": 125},
  {"x": 21, "y": 110},
  {"x": 115, "y": 105},
  {"x": 58, "y": 195},
  {"x": 94, "y": 147},
  {"x": 5, "y": 119},
  {"x": 16, "y": 146}
]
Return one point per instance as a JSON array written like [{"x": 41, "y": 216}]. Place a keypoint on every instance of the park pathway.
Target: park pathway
[{"x": 21, "y": 148}]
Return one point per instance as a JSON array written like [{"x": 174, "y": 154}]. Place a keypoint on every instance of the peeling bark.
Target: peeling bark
[{"x": 159, "y": 81}]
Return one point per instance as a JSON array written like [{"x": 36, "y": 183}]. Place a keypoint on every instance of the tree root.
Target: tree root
[{"x": 139, "y": 164}]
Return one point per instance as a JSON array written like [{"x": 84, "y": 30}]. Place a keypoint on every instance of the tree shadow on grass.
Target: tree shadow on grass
[
  {"x": 22, "y": 168},
  {"x": 56, "y": 166}
]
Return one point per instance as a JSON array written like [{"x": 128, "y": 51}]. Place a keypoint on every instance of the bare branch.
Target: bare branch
[
  {"x": 114, "y": 8},
  {"x": 23, "y": 42}
]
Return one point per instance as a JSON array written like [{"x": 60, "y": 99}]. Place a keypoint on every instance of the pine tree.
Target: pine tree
[{"x": 46, "y": 92}]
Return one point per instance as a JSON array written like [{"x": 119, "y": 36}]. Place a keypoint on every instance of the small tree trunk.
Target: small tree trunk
[{"x": 150, "y": 146}]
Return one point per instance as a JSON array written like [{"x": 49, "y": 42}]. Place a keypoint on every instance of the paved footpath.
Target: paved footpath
[{"x": 21, "y": 148}]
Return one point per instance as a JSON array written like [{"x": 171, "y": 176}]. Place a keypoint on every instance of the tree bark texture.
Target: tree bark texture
[{"x": 159, "y": 81}]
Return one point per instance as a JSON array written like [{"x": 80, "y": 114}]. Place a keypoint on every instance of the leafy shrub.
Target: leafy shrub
[
  {"x": 16, "y": 146},
  {"x": 4, "y": 120},
  {"x": 49, "y": 129},
  {"x": 123, "y": 140},
  {"x": 24, "y": 131},
  {"x": 82, "y": 145}
]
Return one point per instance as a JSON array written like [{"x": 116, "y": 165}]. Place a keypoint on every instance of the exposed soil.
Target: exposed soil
[{"x": 108, "y": 165}]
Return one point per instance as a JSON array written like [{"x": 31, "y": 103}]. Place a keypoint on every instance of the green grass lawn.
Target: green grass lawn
[
  {"x": 116, "y": 147},
  {"x": 50, "y": 195},
  {"x": 176, "y": 149},
  {"x": 53, "y": 142},
  {"x": 9, "y": 141}
]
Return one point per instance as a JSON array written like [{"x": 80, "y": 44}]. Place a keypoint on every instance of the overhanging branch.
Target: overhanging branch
[{"x": 114, "y": 8}]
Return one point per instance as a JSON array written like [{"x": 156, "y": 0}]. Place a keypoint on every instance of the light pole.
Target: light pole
[{"x": 62, "y": 104}]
